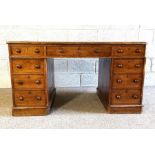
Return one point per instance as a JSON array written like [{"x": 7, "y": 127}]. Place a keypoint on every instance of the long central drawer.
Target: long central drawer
[{"x": 78, "y": 51}]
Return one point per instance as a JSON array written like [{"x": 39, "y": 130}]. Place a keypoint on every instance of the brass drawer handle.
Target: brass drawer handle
[
  {"x": 118, "y": 97},
  {"x": 137, "y": 65},
  {"x": 137, "y": 50},
  {"x": 37, "y": 81},
  {"x": 135, "y": 97},
  {"x": 18, "y": 50},
  {"x": 21, "y": 98},
  {"x": 135, "y": 81},
  {"x": 20, "y": 82},
  {"x": 19, "y": 66},
  {"x": 119, "y": 81},
  {"x": 120, "y": 65},
  {"x": 120, "y": 51},
  {"x": 37, "y": 51},
  {"x": 38, "y": 98},
  {"x": 37, "y": 66}
]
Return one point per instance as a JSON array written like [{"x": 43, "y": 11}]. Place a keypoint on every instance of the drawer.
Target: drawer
[
  {"x": 137, "y": 50},
  {"x": 30, "y": 98},
  {"x": 95, "y": 51},
  {"x": 128, "y": 65},
  {"x": 33, "y": 51},
  {"x": 79, "y": 51},
  {"x": 27, "y": 66},
  {"x": 127, "y": 80},
  {"x": 29, "y": 81},
  {"x": 124, "y": 97},
  {"x": 62, "y": 51}
]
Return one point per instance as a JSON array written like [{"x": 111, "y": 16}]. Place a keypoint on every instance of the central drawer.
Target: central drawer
[
  {"x": 62, "y": 51},
  {"x": 29, "y": 81},
  {"x": 30, "y": 98},
  {"x": 79, "y": 51},
  {"x": 27, "y": 66}
]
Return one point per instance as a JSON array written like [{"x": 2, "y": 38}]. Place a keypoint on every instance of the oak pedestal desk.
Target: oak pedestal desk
[{"x": 120, "y": 81}]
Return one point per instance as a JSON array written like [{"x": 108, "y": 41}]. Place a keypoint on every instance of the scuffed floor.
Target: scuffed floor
[{"x": 79, "y": 108}]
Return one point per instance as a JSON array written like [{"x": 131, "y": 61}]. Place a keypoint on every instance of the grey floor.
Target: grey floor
[{"x": 79, "y": 108}]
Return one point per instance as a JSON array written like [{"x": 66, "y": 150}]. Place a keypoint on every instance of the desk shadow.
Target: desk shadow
[{"x": 77, "y": 102}]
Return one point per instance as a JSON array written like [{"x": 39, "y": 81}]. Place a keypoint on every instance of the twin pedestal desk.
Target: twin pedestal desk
[{"x": 120, "y": 80}]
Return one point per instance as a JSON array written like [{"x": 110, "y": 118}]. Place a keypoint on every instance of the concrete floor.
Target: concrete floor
[{"x": 79, "y": 108}]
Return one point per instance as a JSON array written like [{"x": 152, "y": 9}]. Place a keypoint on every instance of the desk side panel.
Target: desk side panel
[
  {"x": 50, "y": 83},
  {"x": 104, "y": 81}
]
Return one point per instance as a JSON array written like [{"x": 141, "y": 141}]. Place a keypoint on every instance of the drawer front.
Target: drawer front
[
  {"x": 62, "y": 51},
  {"x": 33, "y": 51},
  {"x": 137, "y": 51},
  {"x": 27, "y": 66},
  {"x": 128, "y": 65},
  {"x": 127, "y": 80},
  {"x": 30, "y": 98},
  {"x": 29, "y": 81},
  {"x": 95, "y": 51},
  {"x": 124, "y": 97},
  {"x": 79, "y": 51}
]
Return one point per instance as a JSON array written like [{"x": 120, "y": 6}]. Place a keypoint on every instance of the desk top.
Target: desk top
[{"x": 45, "y": 42}]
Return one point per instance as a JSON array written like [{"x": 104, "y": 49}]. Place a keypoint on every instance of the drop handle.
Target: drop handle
[
  {"x": 18, "y": 51},
  {"x": 19, "y": 66},
  {"x": 37, "y": 51},
  {"x": 37, "y": 66},
  {"x": 118, "y": 97},
  {"x": 135, "y": 97},
  {"x": 21, "y": 98},
  {"x": 137, "y": 50},
  {"x": 135, "y": 81},
  {"x": 38, "y": 98},
  {"x": 20, "y": 82},
  {"x": 120, "y": 65},
  {"x": 120, "y": 51},
  {"x": 37, "y": 81}
]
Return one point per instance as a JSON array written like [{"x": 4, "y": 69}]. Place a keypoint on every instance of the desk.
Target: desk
[{"x": 120, "y": 81}]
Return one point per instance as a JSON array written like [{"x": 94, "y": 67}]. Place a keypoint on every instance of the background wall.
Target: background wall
[{"x": 77, "y": 72}]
